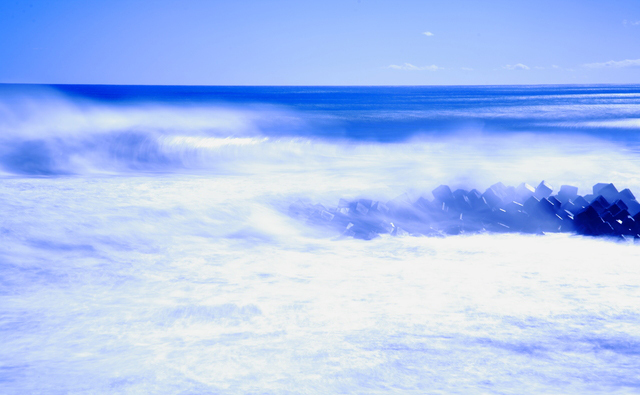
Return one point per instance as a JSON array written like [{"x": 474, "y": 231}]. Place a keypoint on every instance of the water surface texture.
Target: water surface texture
[{"x": 146, "y": 244}]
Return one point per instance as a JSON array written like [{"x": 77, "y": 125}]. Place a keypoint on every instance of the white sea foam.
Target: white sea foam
[
  {"x": 156, "y": 256},
  {"x": 199, "y": 284},
  {"x": 49, "y": 114},
  {"x": 628, "y": 123}
]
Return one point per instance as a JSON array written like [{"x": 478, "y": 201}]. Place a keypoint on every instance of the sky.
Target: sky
[{"x": 345, "y": 42}]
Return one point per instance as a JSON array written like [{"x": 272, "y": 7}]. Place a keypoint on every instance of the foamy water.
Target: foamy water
[{"x": 142, "y": 255}]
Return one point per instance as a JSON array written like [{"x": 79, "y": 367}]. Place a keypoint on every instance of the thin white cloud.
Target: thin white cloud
[
  {"x": 428, "y": 34},
  {"x": 613, "y": 64},
  {"x": 631, "y": 23},
  {"x": 409, "y": 66},
  {"x": 552, "y": 67},
  {"x": 466, "y": 68},
  {"x": 517, "y": 66}
]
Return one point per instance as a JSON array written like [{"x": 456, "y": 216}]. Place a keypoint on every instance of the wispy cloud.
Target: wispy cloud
[
  {"x": 630, "y": 23},
  {"x": 517, "y": 66},
  {"x": 552, "y": 67},
  {"x": 409, "y": 66},
  {"x": 428, "y": 34},
  {"x": 613, "y": 64},
  {"x": 466, "y": 68}
]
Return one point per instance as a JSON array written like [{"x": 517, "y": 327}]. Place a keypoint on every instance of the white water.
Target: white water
[
  {"x": 199, "y": 284},
  {"x": 164, "y": 262}
]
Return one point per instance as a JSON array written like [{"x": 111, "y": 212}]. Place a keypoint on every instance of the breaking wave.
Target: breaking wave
[{"x": 189, "y": 241}]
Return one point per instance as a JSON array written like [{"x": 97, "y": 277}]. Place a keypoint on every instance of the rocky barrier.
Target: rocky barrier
[{"x": 606, "y": 212}]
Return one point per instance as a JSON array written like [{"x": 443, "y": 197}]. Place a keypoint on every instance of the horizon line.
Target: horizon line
[{"x": 313, "y": 86}]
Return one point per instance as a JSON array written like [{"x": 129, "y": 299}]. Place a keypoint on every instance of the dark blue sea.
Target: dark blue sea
[{"x": 147, "y": 244}]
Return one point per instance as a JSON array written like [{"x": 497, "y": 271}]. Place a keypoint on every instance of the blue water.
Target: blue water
[
  {"x": 388, "y": 114},
  {"x": 146, "y": 245}
]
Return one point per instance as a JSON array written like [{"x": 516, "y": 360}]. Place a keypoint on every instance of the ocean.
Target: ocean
[{"x": 147, "y": 243}]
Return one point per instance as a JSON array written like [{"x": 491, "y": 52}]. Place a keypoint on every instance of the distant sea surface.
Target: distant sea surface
[{"x": 146, "y": 244}]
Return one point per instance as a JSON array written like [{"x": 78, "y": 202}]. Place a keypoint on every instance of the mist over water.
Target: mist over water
[{"x": 146, "y": 246}]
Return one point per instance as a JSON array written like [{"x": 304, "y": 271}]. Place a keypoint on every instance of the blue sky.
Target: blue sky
[{"x": 346, "y": 42}]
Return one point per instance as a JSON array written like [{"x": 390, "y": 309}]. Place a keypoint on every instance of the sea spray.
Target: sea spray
[{"x": 146, "y": 244}]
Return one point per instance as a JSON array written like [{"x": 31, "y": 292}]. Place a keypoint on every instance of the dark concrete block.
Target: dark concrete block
[
  {"x": 459, "y": 192},
  {"x": 513, "y": 207},
  {"x": 628, "y": 220},
  {"x": 567, "y": 192},
  {"x": 498, "y": 215},
  {"x": 359, "y": 208},
  {"x": 629, "y": 225},
  {"x": 556, "y": 203},
  {"x": 443, "y": 193},
  {"x": 474, "y": 194},
  {"x": 497, "y": 227},
  {"x": 569, "y": 206},
  {"x": 340, "y": 219},
  {"x": 492, "y": 199},
  {"x": 620, "y": 203},
  {"x": 601, "y": 199},
  {"x": 445, "y": 208},
  {"x": 604, "y": 229},
  {"x": 402, "y": 210},
  {"x": 524, "y": 191},
  {"x": 552, "y": 224},
  {"x": 298, "y": 209},
  {"x": 546, "y": 217},
  {"x": 462, "y": 202},
  {"x": 580, "y": 202},
  {"x": 425, "y": 205},
  {"x": 633, "y": 207},
  {"x": 565, "y": 214},
  {"x": 499, "y": 188},
  {"x": 373, "y": 225},
  {"x": 318, "y": 208},
  {"x": 625, "y": 195},
  {"x": 600, "y": 204},
  {"x": 497, "y": 210},
  {"x": 543, "y": 190},
  {"x": 479, "y": 205},
  {"x": 452, "y": 227},
  {"x": 567, "y": 226},
  {"x": 598, "y": 187},
  {"x": 327, "y": 216},
  {"x": 360, "y": 232},
  {"x": 510, "y": 194},
  {"x": 607, "y": 217},
  {"x": 520, "y": 221},
  {"x": 471, "y": 224},
  {"x": 587, "y": 220},
  {"x": 617, "y": 207},
  {"x": 608, "y": 191},
  {"x": 546, "y": 207},
  {"x": 380, "y": 208},
  {"x": 531, "y": 205}
]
